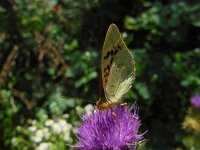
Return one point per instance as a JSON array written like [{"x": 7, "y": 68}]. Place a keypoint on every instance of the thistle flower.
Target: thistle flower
[
  {"x": 195, "y": 101},
  {"x": 115, "y": 129}
]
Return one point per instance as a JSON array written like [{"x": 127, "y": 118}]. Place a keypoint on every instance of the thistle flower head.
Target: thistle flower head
[
  {"x": 195, "y": 101},
  {"x": 115, "y": 129}
]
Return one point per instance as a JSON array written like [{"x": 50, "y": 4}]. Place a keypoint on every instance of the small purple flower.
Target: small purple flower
[
  {"x": 195, "y": 101},
  {"x": 115, "y": 129}
]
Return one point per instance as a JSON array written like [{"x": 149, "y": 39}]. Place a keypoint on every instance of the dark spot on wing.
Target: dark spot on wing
[
  {"x": 111, "y": 60},
  {"x": 106, "y": 73},
  {"x": 108, "y": 67},
  {"x": 112, "y": 52},
  {"x": 119, "y": 47},
  {"x": 107, "y": 55}
]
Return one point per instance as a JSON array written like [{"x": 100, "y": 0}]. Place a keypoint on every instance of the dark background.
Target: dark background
[{"x": 52, "y": 48}]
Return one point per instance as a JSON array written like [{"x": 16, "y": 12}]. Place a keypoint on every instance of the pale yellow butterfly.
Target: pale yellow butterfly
[{"x": 117, "y": 69}]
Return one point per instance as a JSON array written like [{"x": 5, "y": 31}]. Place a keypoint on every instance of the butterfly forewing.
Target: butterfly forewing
[
  {"x": 117, "y": 65},
  {"x": 112, "y": 44}
]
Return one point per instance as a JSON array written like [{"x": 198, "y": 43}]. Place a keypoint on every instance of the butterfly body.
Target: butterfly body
[
  {"x": 104, "y": 103},
  {"x": 117, "y": 69}
]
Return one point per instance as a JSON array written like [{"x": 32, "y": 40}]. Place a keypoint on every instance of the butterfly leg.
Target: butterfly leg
[
  {"x": 113, "y": 113},
  {"x": 117, "y": 120},
  {"x": 123, "y": 104}
]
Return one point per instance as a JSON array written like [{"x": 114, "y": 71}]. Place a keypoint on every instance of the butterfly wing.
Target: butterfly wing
[
  {"x": 121, "y": 77},
  {"x": 108, "y": 52},
  {"x": 117, "y": 65},
  {"x": 112, "y": 44}
]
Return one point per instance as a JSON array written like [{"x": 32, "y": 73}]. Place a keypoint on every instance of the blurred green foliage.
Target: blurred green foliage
[{"x": 51, "y": 48}]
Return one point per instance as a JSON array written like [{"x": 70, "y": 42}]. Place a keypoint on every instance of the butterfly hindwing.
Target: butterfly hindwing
[{"x": 121, "y": 77}]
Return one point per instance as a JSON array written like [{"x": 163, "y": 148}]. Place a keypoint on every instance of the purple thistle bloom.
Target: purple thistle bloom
[
  {"x": 195, "y": 101},
  {"x": 115, "y": 129}
]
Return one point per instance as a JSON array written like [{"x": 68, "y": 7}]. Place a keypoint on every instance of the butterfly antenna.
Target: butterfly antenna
[
  {"x": 91, "y": 102},
  {"x": 65, "y": 97}
]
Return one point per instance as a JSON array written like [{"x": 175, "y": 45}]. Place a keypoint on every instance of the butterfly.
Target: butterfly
[{"x": 117, "y": 69}]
